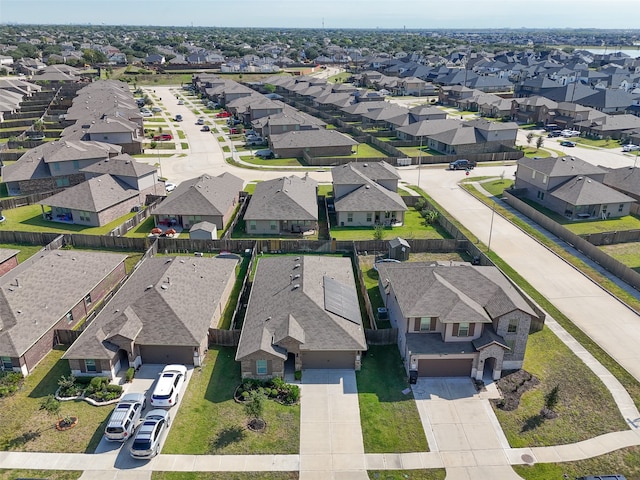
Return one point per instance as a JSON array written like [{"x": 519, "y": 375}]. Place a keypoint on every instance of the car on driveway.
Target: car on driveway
[
  {"x": 567, "y": 143},
  {"x": 146, "y": 443},
  {"x": 235, "y": 131},
  {"x": 156, "y": 109},
  {"x": 163, "y": 137},
  {"x": 570, "y": 133},
  {"x": 205, "y": 128},
  {"x": 169, "y": 187},
  {"x": 200, "y": 121},
  {"x": 167, "y": 390},
  {"x": 266, "y": 153},
  {"x": 180, "y": 102},
  {"x": 554, "y": 133},
  {"x": 124, "y": 418},
  {"x": 630, "y": 147},
  {"x": 223, "y": 114}
]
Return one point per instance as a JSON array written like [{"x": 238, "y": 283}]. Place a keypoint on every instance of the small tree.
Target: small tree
[
  {"x": 551, "y": 400},
  {"x": 539, "y": 143},
  {"x": 378, "y": 231},
  {"x": 254, "y": 408},
  {"x": 51, "y": 405},
  {"x": 529, "y": 138}
]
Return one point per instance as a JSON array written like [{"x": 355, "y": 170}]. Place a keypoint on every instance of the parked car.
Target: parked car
[
  {"x": 551, "y": 127},
  {"x": 205, "y": 128},
  {"x": 567, "y": 143},
  {"x": 213, "y": 105},
  {"x": 169, "y": 385},
  {"x": 630, "y": 147},
  {"x": 266, "y": 153},
  {"x": 163, "y": 137},
  {"x": 461, "y": 164},
  {"x": 146, "y": 114},
  {"x": 180, "y": 102},
  {"x": 156, "y": 109},
  {"x": 223, "y": 114},
  {"x": 169, "y": 187},
  {"x": 255, "y": 141},
  {"x": 200, "y": 121},
  {"x": 146, "y": 443},
  {"x": 235, "y": 131},
  {"x": 570, "y": 133},
  {"x": 178, "y": 118},
  {"x": 124, "y": 418},
  {"x": 554, "y": 133}
]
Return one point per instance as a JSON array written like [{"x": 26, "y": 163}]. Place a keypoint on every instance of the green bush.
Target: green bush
[
  {"x": 9, "y": 383},
  {"x": 298, "y": 375},
  {"x": 130, "y": 374},
  {"x": 83, "y": 380},
  {"x": 114, "y": 388}
]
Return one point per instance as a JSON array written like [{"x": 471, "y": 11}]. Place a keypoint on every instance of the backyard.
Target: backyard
[
  {"x": 27, "y": 428},
  {"x": 210, "y": 421},
  {"x": 627, "y": 253}
]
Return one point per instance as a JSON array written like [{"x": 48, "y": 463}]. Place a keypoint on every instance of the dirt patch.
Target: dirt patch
[{"x": 512, "y": 386}]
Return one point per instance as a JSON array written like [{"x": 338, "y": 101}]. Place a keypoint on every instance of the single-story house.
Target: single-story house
[
  {"x": 162, "y": 314},
  {"x": 283, "y": 205},
  {"x": 456, "y": 320},
  {"x": 318, "y": 142},
  {"x": 54, "y": 289},
  {"x": 202, "y": 199},
  {"x": 303, "y": 313}
]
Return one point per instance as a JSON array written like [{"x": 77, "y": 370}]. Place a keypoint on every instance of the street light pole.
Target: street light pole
[{"x": 493, "y": 212}]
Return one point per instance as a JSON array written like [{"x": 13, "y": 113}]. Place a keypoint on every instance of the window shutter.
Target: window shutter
[
  {"x": 433, "y": 324},
  {"x": 455, "y": 329},
  {"x": 416, "y": 325},
  {"x": 472, "y": 329}
]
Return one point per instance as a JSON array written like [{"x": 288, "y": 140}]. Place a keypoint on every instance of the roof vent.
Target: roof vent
[
  {"x": 365, "y": 164},
  {"x": 297, "y": 265},
  {"x": 296, "y": 286},
  {"x": 367, "y": 187},
  {"x": 148, "y": 287},
  {"x": 164, "y": 286},
  {"x": 296, "y": 276}
]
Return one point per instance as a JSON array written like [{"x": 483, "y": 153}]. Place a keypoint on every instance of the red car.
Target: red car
[
  {"x": 235, "y": 131},
  {"x": 163, "y": 137},
  {"x": 223, "y": 114}
]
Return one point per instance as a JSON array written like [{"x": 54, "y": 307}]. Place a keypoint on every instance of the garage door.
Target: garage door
[
  {"x": 166, "y": 354},
  {"x": 328, "y": 360},
  {"x": 455, "y": 367}
]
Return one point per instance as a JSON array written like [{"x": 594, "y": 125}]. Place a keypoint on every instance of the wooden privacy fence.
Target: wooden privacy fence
[
  {"x": 224, "y": 338},
  {"x": 66, "y": 337},
  {"x": 383, "y": 336}
]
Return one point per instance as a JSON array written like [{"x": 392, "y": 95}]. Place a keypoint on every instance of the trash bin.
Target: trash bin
[{"x": 413, "y": 377}]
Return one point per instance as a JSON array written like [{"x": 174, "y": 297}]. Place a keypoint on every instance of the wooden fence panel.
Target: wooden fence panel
[
  {"x": 224, "y": 338},
  {"x": 383, "y": 336}
]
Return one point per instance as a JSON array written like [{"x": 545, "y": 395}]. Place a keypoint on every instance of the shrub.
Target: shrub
[
  {"x": 130, "y": 374},
  {"x": 278, "y": 383},
  {"x": 114, "y": 388},
  {"x": 68, "y": 386},
  {"x": 84, "y": 381},
  {"x": 96, "y": 384},
  {"x": 298, "y": 375},
  {"x": 420, "y": 205},
  {"x": 273, "y": 392},
  {"x": 245, "y": 395},
  {"x": 9, "y": 383}
]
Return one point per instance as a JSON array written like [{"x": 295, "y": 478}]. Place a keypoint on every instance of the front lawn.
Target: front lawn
[
  {"x": 27, "y": 428},
  {"x": 48, "y": 474},
  {"x": 210, "y": 422},
  {"x": 413, "y": 227},
  {"x": 430, "y": 474},
  {"x": 273, "y": 162},
  {"x": 497, "y": 187},
  {"x": 586, "y": 408},
  {"x": 29, "y": 219},
  {"x": 390, "y": 419},
  {"x": 603, "y": 143}
]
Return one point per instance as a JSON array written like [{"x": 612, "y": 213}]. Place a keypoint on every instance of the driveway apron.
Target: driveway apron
[{"x": 331, "y": 445}]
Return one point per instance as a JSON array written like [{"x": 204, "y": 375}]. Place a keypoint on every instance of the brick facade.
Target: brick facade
[{"x": 9, "y": 264}]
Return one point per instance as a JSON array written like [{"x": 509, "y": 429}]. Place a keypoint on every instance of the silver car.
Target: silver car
[
  {"x": 146, "y": 443},
  {"x": 125, "y": 417}
]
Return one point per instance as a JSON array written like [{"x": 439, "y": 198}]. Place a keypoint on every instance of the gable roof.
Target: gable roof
[
  {"x": 460, "y": 293},
  {"x": 370, "y": 196},
  {"x": 286, "y": 198},
  {"x": 123, "y": 165},
  {"x": 204, "y": 195},
  {"x": 356, "y": 173},
  {"x": 289, "y": 286},
  {"x": 36, "y": 294},
  {"x": 625, "y": 179},
  {"x": 310, "y": 139},
  {"x": 170, "y": 299},
  {"x": 582, "y": 190},
  {"x": 561, "y": 166}
]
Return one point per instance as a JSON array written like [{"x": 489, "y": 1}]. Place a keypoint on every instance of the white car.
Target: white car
[
  {"x": 146, "y": 443},
  {"x": 146, "y": 114},
  {"x": 630, "y": 148},
  {"x": 156, "y": 109},
  {"x": 169, "y": 187},
  {"x": 570, "y": 133},
  {"x": 167, "y": 390}
]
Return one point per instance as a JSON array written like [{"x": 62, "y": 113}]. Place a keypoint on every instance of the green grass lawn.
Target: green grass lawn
[
  {"x": 497, "y": 187},
  {"x": 26, "y": 251},
  {"x": 430, "y": 474},
  {"x": 27, "y": 428},
  {"x": 273, "y": 162},
  {"x": 339, "y": 78},
  {"x": 143, "y": 229},
  {"x": 413, "y": 227},
  {"x": 531, "y": 152},
  {"x": 224, "y": 475},
  {"x": 184, "y": 145},
  {"x": 627, "y": 253},
  {"x": 364, "y": 150},
  {"x": 390, "y": 420},
  {"x": 29, "y": 219},
  {"x": 598, "y": 143},
  {"x": 241, "y": 273},
  {"x": 416, "y": 152},
  {"x": 211, "y": 422},
  {"x": 153, "y": 155},
  {"x": 553, "y": 364},
  {"x": 326, "y": 190},
  {"x": 181, "y": 135},
  {"x": 48, "y": 474},
  {"x": 625, "y": 462}
]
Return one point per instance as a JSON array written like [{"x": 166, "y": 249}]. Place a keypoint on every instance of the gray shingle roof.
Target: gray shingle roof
[
  {"x": 370, "y": 197},
  {"x": 123, "y": 165},
  {"x": 561, "y": 166},
  {"x": 355, "y": 173},
  {"x": 204, "y": 195},
  {"x": 275, "y": 298},
  {"x": 172, "y": 298},
  {"x": 7, "y": 253},
  {"x": 461, "y": 293},
  {"x": 625, "y": 179},
  {"x": 310, "y": 139},
  {"x": 582, "y": 190},
  {"x": 286, "y": 198},
  {"x": 36, "y": 294},
  {"x": 94, "y": 195}
]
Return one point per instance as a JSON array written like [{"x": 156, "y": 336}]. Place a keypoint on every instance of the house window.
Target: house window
[
  {"x": 85, "y": 216},
  {"x": 56, "y": 166},
  {"x": 511, "y": 344},
  {"x": 62, "y": 182},
  {"x": 194, "y": 219},
  {"x": 533, "y": 174},
  {"x": 76, "y": 164},
  {"x": 387, "y": 215},
  {"x": 544, "y": 179},
  {"x": 87, "y": 299},
  {"x": 463, "y": 330},
  {"x": 273, "y": 225},
  {"x": 350, "y": 217},
  {"x": 69, "y": 317},
  {"x": 426, "y": 324},
  {"x": 620, "y": 208},
  {"x": 252, "y": 224},
  {"x": 90, "y": 365},
  {"x": 541, "y": 195},
  {"x": 369, "y": 217},
  {"x": 7, "y": 364},
  {"x": 261, "y": 367},
  {"x": 513, "y": 326}
]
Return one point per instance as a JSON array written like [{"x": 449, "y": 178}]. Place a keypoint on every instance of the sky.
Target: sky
[{"x": 386, "y": 14}]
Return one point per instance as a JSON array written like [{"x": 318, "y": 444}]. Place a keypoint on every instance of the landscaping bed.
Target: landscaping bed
[
  {"x": 275, "y": 389},
  {"x": 512, "y": 386}
]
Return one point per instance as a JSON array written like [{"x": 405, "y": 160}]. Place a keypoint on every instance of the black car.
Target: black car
[
  {"x": 567, "y": 143},
  {"x": 461, "y": 164},
  {"x": 555, "y": 133},
  {"x": 205, "y": 128}
]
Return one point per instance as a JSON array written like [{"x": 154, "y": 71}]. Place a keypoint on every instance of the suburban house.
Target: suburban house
[
  {"x": 625, "y": 180},
  {"x": 54, "y": 289},
  {"x": 202, "y": 199},
  {"x": 140, "y": 176},
  {"x": 318, "y": 142},
  {"x": 571, "y": 187},
  {"x": 162, "y": 314},
  {"x": 283, "y": 206},
  {"x": 54, "y": 165},
  {"x": 302, "y": 313},
  {"x": 117, "y": 130},
  {"x": 365, "y": 194},
  {"x": 8, "y": 259},
  {"x": 456, "y": 319},
  {"x": 94, "y": 203}
]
